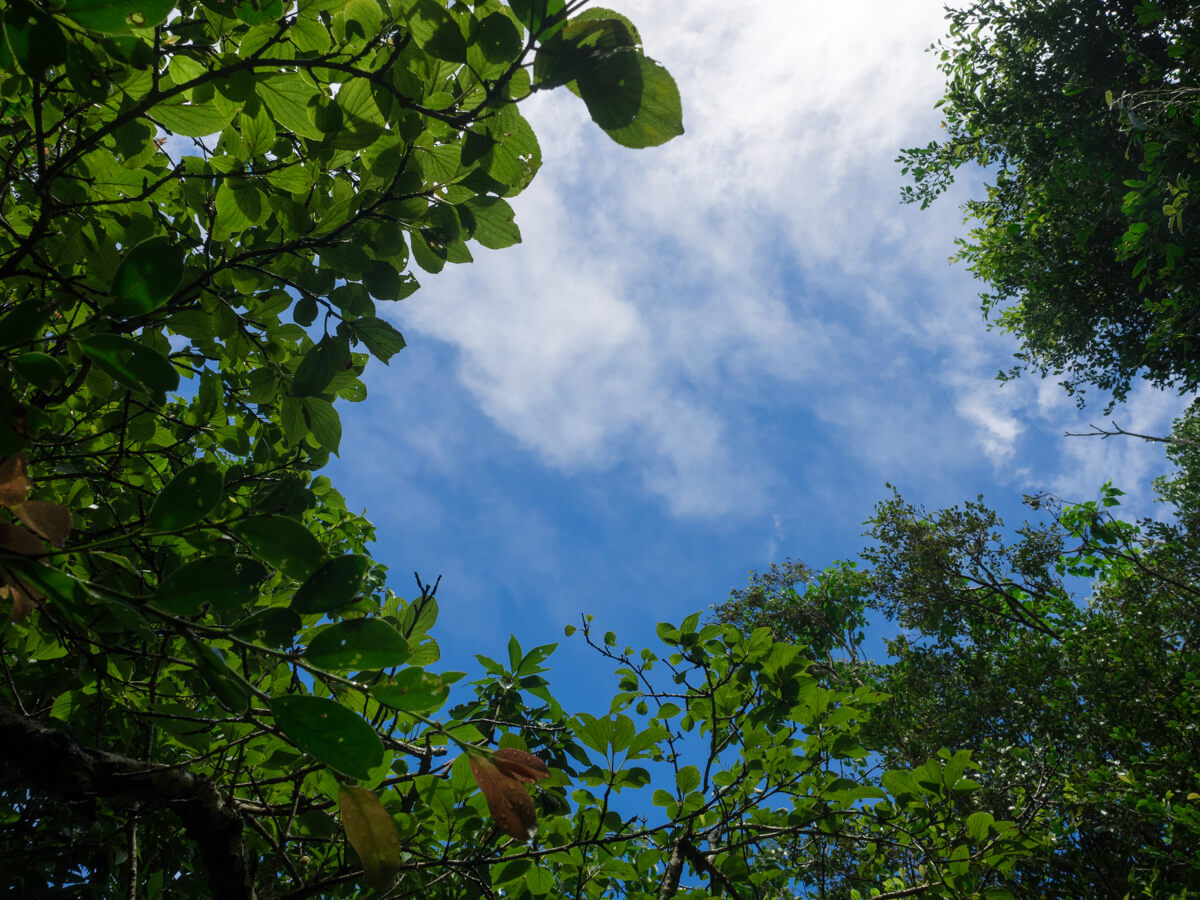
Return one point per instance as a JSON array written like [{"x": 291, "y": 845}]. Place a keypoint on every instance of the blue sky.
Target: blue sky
[{"x": 710, "y": 355}]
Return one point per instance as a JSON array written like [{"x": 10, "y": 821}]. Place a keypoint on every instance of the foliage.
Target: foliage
[
  {"x": 223, "y": 193},
  {"x": 1085, "y": 706},
  {"x": 1085, "y": 118}
]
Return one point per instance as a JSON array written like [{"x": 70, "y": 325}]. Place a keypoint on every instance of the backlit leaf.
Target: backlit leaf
[
  {"x": 188, "y": 498},
  {"x": 224, "y": 582},
  {"x": 333, "y": 585},
  {"x": 372, "y": 833},
  {"x": 329, "y": 732},
  {"x": 357, "y": 644},
  {"x": 282, "y": 542}
]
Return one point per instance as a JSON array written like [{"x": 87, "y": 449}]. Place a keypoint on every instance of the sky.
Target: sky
[{"x": 711, "y": 355}]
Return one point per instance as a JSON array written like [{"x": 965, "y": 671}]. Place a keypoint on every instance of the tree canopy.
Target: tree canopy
[
  {"x": 1085, "y": 119},
  {"x": 208, "y": 688},
  {"x": 1066, "y": 658}
]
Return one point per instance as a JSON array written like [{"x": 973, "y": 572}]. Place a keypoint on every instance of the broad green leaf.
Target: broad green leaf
[
  {"x": 287, "y": 97},
  {"x": 146, "y": 278},
  {"x": 193, "y": 119},
  {"x": 116, "y": 16},
  {"x": 329, "y": 732},
  {"x": 257, "y": 129},
  {"x": 499, "y": 38},
  {"x": 274, "y": 627},
  {"x": 436, "y": 31},
  {"x": 494, "y": 225},
  {"x": 317, "y": 368},
  {"x": 224, "y": 582},
  {"x": 357, "y": 644},
  {"x": 414, "y": 690},
  {"x": 282, "y": 542},
  {"x": 240, "y": 205},
  {"x": 362, "y": 122},
  {"x": 660, "y": 113},
  {"x": 133, "y": 364},
  {"x": 230, "y": 688},
  {"x": 383, "y": 340},
  {"x": 189, "y": 497},
  {"x": 35, "y": 39},
  {"x": 334, "y": 585},
  {"x": 372, "y": 833},
  {"x": 323, "y": 422},
  {"x": 40, "y": 369}
]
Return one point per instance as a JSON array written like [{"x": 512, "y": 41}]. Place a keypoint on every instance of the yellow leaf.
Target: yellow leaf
[{"x": 372, "y": 833}]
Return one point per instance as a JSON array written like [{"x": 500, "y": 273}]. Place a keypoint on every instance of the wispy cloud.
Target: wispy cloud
[{"x": 670, "y": 306}]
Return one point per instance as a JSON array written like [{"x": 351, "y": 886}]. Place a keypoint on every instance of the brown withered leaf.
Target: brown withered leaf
[
  {"x": 17, "y": 540},
  {"x": 51, "y": 520},
  {"x": 24, "y": 600},
  {"x": 507, "y": 798},
  {"x": 520, "y": 764},
  {"x": 373, "y": 835},
  {"x": 14, "y": 480}
]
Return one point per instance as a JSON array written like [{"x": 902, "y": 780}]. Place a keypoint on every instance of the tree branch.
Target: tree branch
[{"x": 52, "y": 762}]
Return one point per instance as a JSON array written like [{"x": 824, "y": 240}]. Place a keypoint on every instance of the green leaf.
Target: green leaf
[
  {"x": 189, "y": 497},
  {"x": 357, "y": 644},
  {"x": 229, "y": 687},
  {"x": 383, "y": 340},
  {"x": 328, "y": 732},
  {"x": 224, "y": 582},
  {"x": 659, "y": 115},
  {"x": 133, "y": 364},
  {"x": 362, "y": 122},
  {"x": 334, "y": 585},
  {"x": 436, "y": 31},
  {"x": 147, "y": 278},
  {"x": 413, "y": 690},
  {"x": 494, "y": 225},
  {"x": 323, "y": 422},
  {"x": 117, "y": 16},
  {"x": 240, "y": 205},
  {"x": 282, "y": 542},
  {"x": 499, "y": 39},
  {"x": 274, "y": 627},
  {"x": 193, "y": 119},
  {"x": 258, "y": 131},
  {"x": 287, "y": 97},
  {"x": 317, "y": 368},
  {"x": 373, "y": 835},
  {"x": 35, "y": 39},
  {"x": 40, "y": 369}
]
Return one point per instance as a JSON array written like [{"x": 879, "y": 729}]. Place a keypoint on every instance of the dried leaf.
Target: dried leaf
[
  {"x": 51, "y": 520},
  {"x": 18, "y": 540},
  {"x": 24, "y": 600},
  {"x": 372, "y": 833},
  {"x": 520, "y": 764},
  {"x": 14, "y": 480},
  {"x": 507, "y": 798}
]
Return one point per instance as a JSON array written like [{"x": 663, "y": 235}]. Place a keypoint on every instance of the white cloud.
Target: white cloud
[{"x": 760, "y": 262}]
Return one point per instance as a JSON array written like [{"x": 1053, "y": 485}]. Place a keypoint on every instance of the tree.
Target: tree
[
  {"x": 1087, "y": 704},
  {"x": 1086, "y": 120},
  {"x": 208, "y": 689}
]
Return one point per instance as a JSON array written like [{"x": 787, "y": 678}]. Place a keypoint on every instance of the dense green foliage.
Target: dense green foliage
[
  {"x": 1067, "y": 658},
  {"x": 207, "y": 688},
  {"x": 1086, "y": 118}
]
